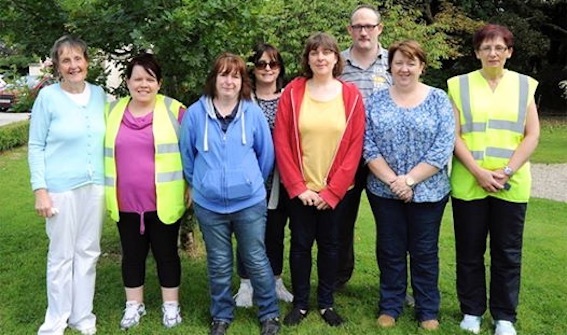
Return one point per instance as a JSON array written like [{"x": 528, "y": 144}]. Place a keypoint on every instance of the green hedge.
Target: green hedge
[{"x": 14, "y": 134}]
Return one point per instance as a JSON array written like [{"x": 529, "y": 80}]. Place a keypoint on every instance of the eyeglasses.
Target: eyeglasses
[
  {"x": 498, "y": 49},
  {"x": 262, "y": 64},
  {"x": 367, "y": 27}
]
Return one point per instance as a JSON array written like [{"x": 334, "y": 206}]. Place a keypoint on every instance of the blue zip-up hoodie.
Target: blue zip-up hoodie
[{"x": 226, "y": 170}]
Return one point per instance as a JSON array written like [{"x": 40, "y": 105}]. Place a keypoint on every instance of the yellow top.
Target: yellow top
[{"x": 321, "y": 126}]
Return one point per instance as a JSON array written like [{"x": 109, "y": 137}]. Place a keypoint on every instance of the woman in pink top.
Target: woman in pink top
[{"x": 145, "y": 187}]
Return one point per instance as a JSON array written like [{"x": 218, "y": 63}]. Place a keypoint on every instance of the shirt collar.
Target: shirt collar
[{"x": 382, "y": 53}]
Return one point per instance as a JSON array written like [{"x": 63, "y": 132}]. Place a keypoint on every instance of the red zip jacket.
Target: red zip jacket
[{"x": 287, "y": 143}]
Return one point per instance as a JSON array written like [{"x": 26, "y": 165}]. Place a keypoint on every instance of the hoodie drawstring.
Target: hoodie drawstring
[{"x": 210, "y": 111}]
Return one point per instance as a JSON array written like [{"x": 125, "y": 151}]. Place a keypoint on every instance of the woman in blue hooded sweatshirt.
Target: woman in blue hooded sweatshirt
[{"x": 227, "y": 154}]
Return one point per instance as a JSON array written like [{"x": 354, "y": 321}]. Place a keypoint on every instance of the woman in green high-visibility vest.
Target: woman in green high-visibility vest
[
  {"x": 497, "y": 131},
  {"x": 144, "y": 187}
]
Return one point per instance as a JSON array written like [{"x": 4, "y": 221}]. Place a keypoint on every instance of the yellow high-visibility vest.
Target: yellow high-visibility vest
[
  {"x": 170, "y": 185},
  {"x": 492, "y": 127}
]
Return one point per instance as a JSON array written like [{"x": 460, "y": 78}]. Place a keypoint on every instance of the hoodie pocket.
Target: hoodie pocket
[
  {"x": 236, "y": 184},
  {"x": 242, "y": 184}
]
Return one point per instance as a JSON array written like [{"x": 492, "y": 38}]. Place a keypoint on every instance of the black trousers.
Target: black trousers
[
  {"x": 160, "y": 237},
  {"x": 474, "y": 221},
  {"x": 309, "y": 225},
  {"x": 346, "y": 245}
]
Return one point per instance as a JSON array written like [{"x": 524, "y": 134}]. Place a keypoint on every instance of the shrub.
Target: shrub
[
  {"x": 24, "y": 100},
  {"x": 13, "y": 135}
]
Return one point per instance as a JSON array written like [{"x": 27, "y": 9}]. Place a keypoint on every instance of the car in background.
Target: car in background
[
  {"x": 19, "y": 96},
  {"x": 5, "y": 99}
]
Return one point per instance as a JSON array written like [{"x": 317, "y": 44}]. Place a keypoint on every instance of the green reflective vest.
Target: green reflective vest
[
  {"x": 492, "y": 127},
  {"x": 170, "y": 185}
]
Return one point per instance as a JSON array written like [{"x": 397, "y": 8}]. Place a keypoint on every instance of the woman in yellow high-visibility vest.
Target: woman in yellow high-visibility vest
[
  {"x": 144, "y": 186},
  {"x": 497, "y": 131}
]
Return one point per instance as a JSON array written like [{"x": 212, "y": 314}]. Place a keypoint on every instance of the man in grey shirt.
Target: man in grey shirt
[{"x": 366, "y": 65}]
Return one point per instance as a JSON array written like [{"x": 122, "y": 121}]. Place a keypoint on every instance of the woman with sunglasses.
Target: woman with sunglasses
[
  {"x": 318, "y": 137},
  {"x": 267, "y": 77}
]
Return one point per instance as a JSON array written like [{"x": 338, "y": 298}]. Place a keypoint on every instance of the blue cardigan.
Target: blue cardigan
[{"x": 66, "y": 140}]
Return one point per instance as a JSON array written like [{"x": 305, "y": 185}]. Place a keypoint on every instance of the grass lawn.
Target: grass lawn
[
  {"x": 23, "y": 246},
  {"x": 552, "y": 146}
]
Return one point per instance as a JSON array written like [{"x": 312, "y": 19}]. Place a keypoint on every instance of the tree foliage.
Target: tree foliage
[{"x": 186, "y": 35}]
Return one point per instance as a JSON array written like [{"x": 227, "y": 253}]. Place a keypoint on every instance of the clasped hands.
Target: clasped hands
[
  {"x": 400, "y": 188},
  {"x": 311, "y": 198},
  {"x": 491, "y": 181}
]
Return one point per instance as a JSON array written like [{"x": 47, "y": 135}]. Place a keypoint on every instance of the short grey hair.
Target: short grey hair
[{"x": 66, "y": 41}]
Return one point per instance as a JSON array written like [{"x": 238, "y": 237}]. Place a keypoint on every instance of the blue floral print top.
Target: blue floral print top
[{"x": 405, "y": 137}]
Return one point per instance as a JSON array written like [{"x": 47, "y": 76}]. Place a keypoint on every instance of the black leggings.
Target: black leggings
[{"x": 160, "y": 237}]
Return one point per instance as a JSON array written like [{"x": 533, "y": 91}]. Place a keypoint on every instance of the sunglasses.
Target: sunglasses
[{"x": 262, "y": 64}]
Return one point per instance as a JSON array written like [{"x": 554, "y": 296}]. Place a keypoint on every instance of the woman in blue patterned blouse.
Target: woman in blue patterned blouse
[{"x": 408, "y": 143}]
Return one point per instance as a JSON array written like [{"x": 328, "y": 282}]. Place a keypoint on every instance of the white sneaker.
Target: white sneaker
[
  {"x": 504, "y": 327},
  {"x": 471, "y": 323},
  {"x": 89, "y": 331},
  {"x": 132, "y": 314},
  {"x": 171, "y": 314},
  {"x": 409, "y": 300},
  {"x": 282, "y": 292},
  {"x": 243, "y": 298}
]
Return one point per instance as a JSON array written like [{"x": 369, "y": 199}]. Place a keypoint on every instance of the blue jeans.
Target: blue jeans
[
  {"x": 403, "y": 228},
  {"x": 248, "y": 225},
  {"x": 275, "y": 236}
]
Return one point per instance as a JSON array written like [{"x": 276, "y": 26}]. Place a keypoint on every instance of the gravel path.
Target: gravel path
[{"x": 549, "y": 181}]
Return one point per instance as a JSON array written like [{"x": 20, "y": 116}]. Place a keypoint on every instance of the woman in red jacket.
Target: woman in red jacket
[{"x": 318, "y": 138}]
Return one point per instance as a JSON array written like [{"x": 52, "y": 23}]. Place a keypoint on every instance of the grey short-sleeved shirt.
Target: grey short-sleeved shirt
[{"x": 370, "y": 80}]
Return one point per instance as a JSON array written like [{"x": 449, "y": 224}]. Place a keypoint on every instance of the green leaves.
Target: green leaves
[{"x": 187, "y": 35}]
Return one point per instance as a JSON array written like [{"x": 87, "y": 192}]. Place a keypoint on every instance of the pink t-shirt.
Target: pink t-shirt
[{"x": 135, "y": 164}]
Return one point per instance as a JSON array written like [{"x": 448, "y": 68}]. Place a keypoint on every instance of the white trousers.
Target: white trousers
[{"x": 74, "y": 248}]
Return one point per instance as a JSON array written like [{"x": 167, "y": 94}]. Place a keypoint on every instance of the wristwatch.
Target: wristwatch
[
  {"x": 508, "y": 171},
  {"x": 409, "y": 181}
]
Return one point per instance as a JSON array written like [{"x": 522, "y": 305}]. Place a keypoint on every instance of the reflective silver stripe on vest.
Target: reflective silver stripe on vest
[
  {"x": 468, "y": 126},
  {"x": 168, "y": 148},
  {"x": 108, "y": 152},
  {"x": 164, "y": 177},
  {"x": 112, "y": 105},
  {"x": 499, "y": 152},
  {"x": 109, "y": 181},
  {"x": 517, "y": 126},
  {"x": 477, "y": 155},
  {"x": 174, "y": 121},
  {"x": 492, "y": 152}
]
